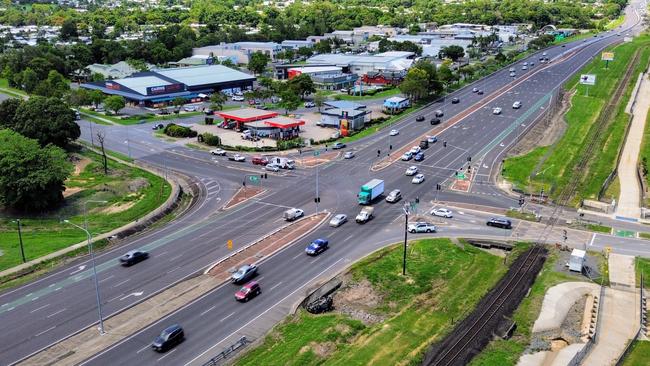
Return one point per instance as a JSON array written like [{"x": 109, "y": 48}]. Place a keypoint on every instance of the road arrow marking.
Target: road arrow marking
[
  {"x": 135, "y": 294},
  {"x": 81, "y": 268}
]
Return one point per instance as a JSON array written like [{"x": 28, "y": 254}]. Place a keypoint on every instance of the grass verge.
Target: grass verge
[
  {"x": 382, "y": 94},
  {"x": 131, "y": 193},
  {"x": 443, "y": 284},
  {"x": 643, "y": 266},
  {"x": 528, "y": 216},
  {"x": 639, "y": 354},
  {"x": 142, "y": 118},
  {"x": 5, "y": 88}
]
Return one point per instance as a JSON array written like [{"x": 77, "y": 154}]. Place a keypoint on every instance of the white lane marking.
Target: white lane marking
[
  {"x": 273, "y": 288},
  {"x": 55, "y": 313},
  {"x": 116, "y": 297},
  {"x": 263, "y": 313},
  {"x": 41, "y": 308},
  {"x": 36, "y": 298},
  {"x": 348, "y": 238},
  {"x": 45, "y": 331},
  {"x": 259, "y": 279},
  {"x": 207, "y": 311},
  {"x": 79, "y": 269},
  {"x": 57, "y": 289},
  {"x": 299, "y": 254},
  {"x": 121, "y": 283},
  {"x": 314, "y": 261},
  {"x": 173, "y": 269},
  {"x": 143, "y": 348},
  {"x": 593, "y": 237},
  {"x": 135, "y": 294},
  {"x": 227, "y": 316},
  {"x": 176, "y": 257},
  {"x": 105, "y": 279},
  {"x": 167, "y": 354}
]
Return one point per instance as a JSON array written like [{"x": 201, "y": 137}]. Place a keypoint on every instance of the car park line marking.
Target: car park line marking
[
  {"x": 263, "y": 313},
  {"x": 55, "y": 313},
  {"x": 107, "y": 278},
  {"x": 41, "y": 308},
  {"x": 227, "y": 316},
  {"x": 167, "y": 354},
  {"x": 121, "y": 283},
  {"x": 208, "y": 310},
  {"x": 273, "y": 288},
  {"x": 45, "y": 331},
  {"x": 143, "y": 348}
]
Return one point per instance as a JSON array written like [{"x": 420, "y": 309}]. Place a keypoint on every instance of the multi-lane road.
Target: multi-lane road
[{"x": 42, "y": 312}]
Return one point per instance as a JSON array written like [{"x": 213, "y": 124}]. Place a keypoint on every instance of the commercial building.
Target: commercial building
[
  {"x": 158, "y": 88},
  {"x": 241, "y": 51},
  {"x": 362, "y": 64},
  {"x": 395, "y": 105},
  {"x": 384, "y": 77},
  {"x": 119, "y": 70},
  {"x": 261, "y": 123},
  {"x": 344, "y": 115},
  {"x": 296, "y": 44},
  {"x": 334, "y": 81}
]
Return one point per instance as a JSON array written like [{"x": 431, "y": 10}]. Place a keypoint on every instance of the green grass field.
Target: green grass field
[
  {"x": 382, "y": 94},
  {"x": 555, "y": 168},
  {"x": 643, "y": 266},
  {"x": 131, "y": 193},
  {"x": 137, "y": 119},
  {"x": 443, "y": 282},
  {"x": 507, "y": 352},
  {"x": 639, "y": 355},
  {"x": 13, "y": 92},
  {"x": 644, "y": 154}
]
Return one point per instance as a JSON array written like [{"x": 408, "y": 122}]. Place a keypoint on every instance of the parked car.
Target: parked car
[
  {"x": 344, "y": 91},
  {"x": 310, "y": 104},
  {"x": 348, "y": 155},
  {"x": 260, "y": 160},
  {"x": 524, "y": 67},
  {"x": 419, "y": 118},
  {"x": 163, "y": 111},
  {"x": 421, "y": 227},
  {"x": 190, "y": 108},
  {"x": 412, "y": 170},
  {"x": 418, "y": 179},
  {"x": 237, "y": 157},
  {"x": 516, "y": 105},
  {"x": 442, "y": 212},
  {"x": 338, "y": 220},
  {"x": 394, "y": 132},
  {"x": 438, "y": 113},
  {"x": 272, "y": 167},
  {"x": 317, "y": 246},
  {"x": 157, "y": 126},
  {"x": 513, "y": 74},
  {"x": 244, "y": 273},
  {"x": 132, "y": 257},
  {"x": 419, "y": 156},
  {"x": 455, "y": 100},
  {"x": 168, "y": 338},
  {"x": 238, "y": 98},
  {"x": 407, "y": 156},
  {"x": 261, "y": 106},
  {"x": 501, "y": 222},
  {"x": 435, "y": 121},
  {"x": 496, "y": 110},
  {"x": 512, "y": 69},
  {"x": 394, "y": 196},
  {"x": 338, "y": 145},
  {"x": 221, "y": 152},
  {"x": 248, "y": 291},
  {"x": 432, "y": 139}
]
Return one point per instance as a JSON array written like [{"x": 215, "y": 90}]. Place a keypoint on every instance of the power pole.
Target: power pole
[
  {"x": 406, "y": 226},
  {"x": 20, "y": 237}
]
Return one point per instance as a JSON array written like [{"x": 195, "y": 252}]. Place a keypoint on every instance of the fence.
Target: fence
[
  {"x": 242, "y": 342},
  {"x": 628, "y": 349},
  {"x": 580, "y": 356}
]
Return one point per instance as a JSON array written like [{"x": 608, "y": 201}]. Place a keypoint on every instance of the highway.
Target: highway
[{"x": 41, "y": 312}]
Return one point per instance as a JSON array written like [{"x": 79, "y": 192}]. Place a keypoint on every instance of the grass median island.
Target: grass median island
[
  {"x": 443, "y": 284},
  {"x": 131, "y": 193},
  {"x": 552, "y": 167}
]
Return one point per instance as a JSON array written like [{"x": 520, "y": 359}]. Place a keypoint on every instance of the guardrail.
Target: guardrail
[{"x": 242, "y": 342}]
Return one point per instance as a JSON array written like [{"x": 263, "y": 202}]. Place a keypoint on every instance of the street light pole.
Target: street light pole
[
  {"x": 317, "y": 197},
  {"x": 20, "y": 238},
  {"x": 406, "y": 225}
]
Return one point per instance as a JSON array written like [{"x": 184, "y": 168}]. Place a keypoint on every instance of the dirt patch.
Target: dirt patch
[
  {"x": 322, "y": 350},
  {"x": 243, "y": 194},
  {"x": 119, "y": 207},
  {"x": 136, "y": 185},
  {"x": 80, "y": 164},
  {"x": 358, "y": 300},
  {"x": 557, "y": 344},
  {"x": 313, "y": 161},
  {"x": 72, "y": 190}
]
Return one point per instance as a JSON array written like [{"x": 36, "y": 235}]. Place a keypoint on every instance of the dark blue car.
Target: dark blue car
[
  {"x": 419, "y": 156},
  {"x": 316, "y": 247}
]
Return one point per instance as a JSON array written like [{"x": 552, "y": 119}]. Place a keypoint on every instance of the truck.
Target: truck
[
  {"x": 283, "y": 163},
  {"x": 293, "y": 214},
  {"x": 370, "y": 191},
  {"x": 365, "y": 215}
]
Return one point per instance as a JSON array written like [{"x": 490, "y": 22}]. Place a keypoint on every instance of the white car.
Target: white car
[
  {"x": 412, "y": 170},
  {"x": 310, "y": 104},
  {"x": 190, "y": 108},
  {"x": 516, "y": 105},
  {"x": 238, "y": 157},
  {"x": 348, "y": 155},
  {"x": 525, "y": 63},
  {"x": 338, "y": 220},
  {"x": 442, "y": 212},
  {"x": 512, "y": 69},
  {"x": 513, "y": 74},
  {"x": 421, "y": 227},
  {"x": 474, "y": 90},
  {"x": 238, "y": 98},
  {"x": 432, "y": 139},
  {"x": 394, "y": 132},
  {"x": 418, "y": 179},
  {"x": 415, "y": 149},
  {"x": 496, "y": 110},
  {"x": 272, "y": 167},
  {"x": 524, "y": 67},
  {"x": 407, "y": 156},
  {"x": 221, "y": 152}
]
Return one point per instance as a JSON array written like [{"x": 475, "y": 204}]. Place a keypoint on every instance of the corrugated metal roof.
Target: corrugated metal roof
[
  {"x": 140, "y": 84},
  {"x": 203, "y": 75}
]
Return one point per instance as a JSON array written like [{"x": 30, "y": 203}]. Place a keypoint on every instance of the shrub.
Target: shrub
[
  {"x": 289, "y": 144},
  {"x": 210, "y": 139},
  {"x": 174, "y": 130}
]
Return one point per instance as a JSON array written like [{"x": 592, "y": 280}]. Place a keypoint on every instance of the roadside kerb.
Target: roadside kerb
[
  {"x": 160, "y": 211},
  {"x": 228, "y": 206},
  {"x": 327, "y": 214}
]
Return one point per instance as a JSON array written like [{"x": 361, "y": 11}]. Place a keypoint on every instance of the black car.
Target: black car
[
  {"x": 424, "y": 144},
  {"x": 158, "y": 126},
  {"x": 455, "y": 100},
  {"x": 480, "y": 92},
  {"x": 419, "y": 118},
  {"x": 208, "y": 111},
  {"x": 338, "y": 145},
  {"x": 435, "y": 121},
  {"x": 133, "y": 257},
  {"x": 169, "y": 337},
  {"x": 500, "y": 222}
]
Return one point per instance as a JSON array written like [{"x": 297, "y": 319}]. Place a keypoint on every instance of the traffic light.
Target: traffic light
[
  {"x": 243, "y": 183},
  {"x": 444, "y": 144},
  {"x": 564, "y": 234},
  {"x": 317, "y": 200},
  {"x": 390, "y": 147},
  {"x": 378, "y": 153},
  {"x": 261, "y": 176},
  {"x": 266, "y": 176},
  {"x": 417, "y": 199},
  {"x": 521, "y": 201},
  {"x": 469, "y": 158},
  {"x": 438, "y": 187}
]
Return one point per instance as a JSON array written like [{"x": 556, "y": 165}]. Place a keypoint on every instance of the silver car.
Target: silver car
[
  {"x": 394, "y": 196},
  {"x": 338, "y": 220}
]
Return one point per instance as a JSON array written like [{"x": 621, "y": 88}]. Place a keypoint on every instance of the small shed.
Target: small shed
[
  {"x": 396, "y": 104},
  {"x": 577, "y": 260}
]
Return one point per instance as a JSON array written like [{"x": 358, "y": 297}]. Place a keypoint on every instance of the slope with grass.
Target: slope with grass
[
  {"x": 444, "y": 282},
  {"x": 639, "y": 354},
  {"x": 552, "y": 167},
  {"x": 131, "y": 193}
]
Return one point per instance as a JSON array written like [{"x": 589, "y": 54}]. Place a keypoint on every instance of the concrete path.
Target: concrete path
[
  {"x": 629, "y": 200},
  {"x": 619, "y": 316},
  {"x": 557, "y": 302}
]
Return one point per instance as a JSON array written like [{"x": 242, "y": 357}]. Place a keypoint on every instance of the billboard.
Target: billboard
[
  {"x": 607, "y": 56},
  {"x": 112, "y": 86},
  {"x": 164, "y": 89},
  {"x": 588, "y": 79}
]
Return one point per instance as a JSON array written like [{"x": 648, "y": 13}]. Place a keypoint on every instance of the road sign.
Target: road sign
[
  {"x": 230, "y": 244},
  {"x": 316, "y": 152},
  {"x": 461, "y": 175},
  {"x": 253, "y": 178},
  {"x": 607, "y": 56},
  {"x": 588, "y": 79},
  {"x": 627, "y": 39}
]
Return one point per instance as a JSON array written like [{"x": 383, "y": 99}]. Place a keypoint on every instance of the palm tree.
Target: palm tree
[{"x": 217, "y": 100}]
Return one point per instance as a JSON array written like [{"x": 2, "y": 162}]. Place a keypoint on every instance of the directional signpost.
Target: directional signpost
[
  {"x": 607, "y": 57},
  {"x": 587, "y": 79}
]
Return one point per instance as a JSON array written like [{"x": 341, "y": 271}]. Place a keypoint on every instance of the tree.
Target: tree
[
  {"x": 96, "y": 97},
  {"x": 290, "y": 101},
  {"x": 415, "y": 84},
  {"x": 305, "y": 52},
  {"x": 68, "y": 29},
  {"x": 319, "y": 100},
  {"x": 433, "y": 83},
  {"x": 452, "y": 52},
  {"x": 8, "y": 109},
  {"x": 31, "y": 177},
  {"x": 97, "y": 77},
  {"x": 257, "y": 62},
  {"x": 114, "y": 103},
  {"x": 101, "y": 138},
  {"x": 445, "y": 75},
  {"x": 302, "y": 85},
  {"x": 28, "y": 80},
  {"x": 78, "y": 97},
  {"x": 217, "y": 100},
  {"x": 324, "y": 46},
  {"x": 177, "y": 103},
  {"x": 48, "y": 120}
]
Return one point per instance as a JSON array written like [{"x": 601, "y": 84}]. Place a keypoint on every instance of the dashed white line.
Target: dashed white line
[
  {"x": 55, "y": 313},
  {"x": 116, "y": 297},
  {"x": 121, "y": 283},
  {"x": 227, "y": 316},
  {"x": 173, "y": 269},
  {"x": 105, "y": 279},
  {"x": 299, "y": 254},
  {"x": 174, "y": 258},
  {"x": 272, "y": 288},
  {"x": 208, "y": 310},
  {"x": 45, "y": 331},
  {"x": 143, "y": 348},
  {"x": 167, "y": 354},
  {"x": 41, "y": 308}
]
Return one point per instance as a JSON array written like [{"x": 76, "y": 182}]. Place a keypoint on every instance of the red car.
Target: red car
[
  {"x": 260, "y": 160},
  {"x": 248, "y": 291}
]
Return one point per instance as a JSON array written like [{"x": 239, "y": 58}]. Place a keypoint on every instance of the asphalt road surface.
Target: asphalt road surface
[{"x": 41, "y": 312}]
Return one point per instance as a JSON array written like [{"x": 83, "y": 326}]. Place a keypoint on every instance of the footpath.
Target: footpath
[
  {"x": 619, "y": 318},
  {"x": 629, "y": 201}
]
